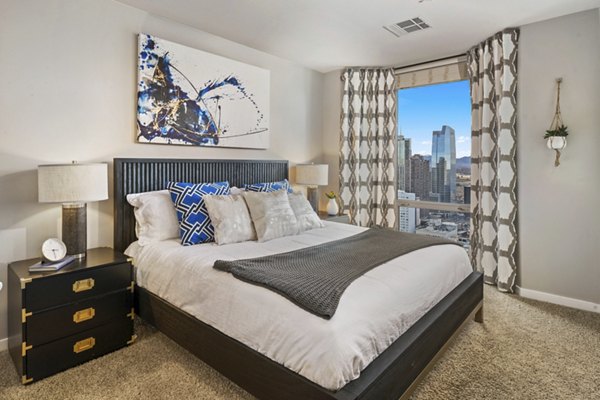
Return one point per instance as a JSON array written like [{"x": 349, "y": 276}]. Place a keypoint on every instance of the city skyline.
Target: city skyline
[
  {"x": 424, "y": 109},
  {"x": 432, "y": 177},
  {"x": 434, "y": 133}
]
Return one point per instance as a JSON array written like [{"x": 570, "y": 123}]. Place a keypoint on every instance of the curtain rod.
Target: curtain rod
[{"x": 424, "y": 63}]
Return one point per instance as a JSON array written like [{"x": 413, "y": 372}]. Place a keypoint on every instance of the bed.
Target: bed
[{"x": 390, "y": 372}]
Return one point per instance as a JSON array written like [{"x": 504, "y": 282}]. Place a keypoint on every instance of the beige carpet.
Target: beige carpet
[{"x": 525, "y": 350}]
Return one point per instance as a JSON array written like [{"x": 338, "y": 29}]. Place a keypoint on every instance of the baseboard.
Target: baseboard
[
  {"x": 560, "y": 300},
  {"x": 3, "y": 344}
]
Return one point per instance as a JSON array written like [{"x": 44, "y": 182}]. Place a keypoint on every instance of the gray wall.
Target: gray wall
[
  {"x": 559, "y": 208},
  {"x": 68, "y": 75}
]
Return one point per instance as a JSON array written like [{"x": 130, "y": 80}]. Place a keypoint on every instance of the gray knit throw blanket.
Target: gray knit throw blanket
[{"x": 315, "y": 277}]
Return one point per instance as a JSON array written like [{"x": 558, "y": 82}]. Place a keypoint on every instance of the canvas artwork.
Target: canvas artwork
[{"x": 190, "y": 97}]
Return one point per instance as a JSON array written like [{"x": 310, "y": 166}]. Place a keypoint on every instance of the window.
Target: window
[{"x": 434, "y": 156}]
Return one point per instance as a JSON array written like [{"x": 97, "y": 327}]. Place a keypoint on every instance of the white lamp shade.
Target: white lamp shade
[
  {"x": 312, "y": 174},
  {"x": 72, "y": 183}
]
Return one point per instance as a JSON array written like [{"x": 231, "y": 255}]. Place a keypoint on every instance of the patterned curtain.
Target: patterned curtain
[
  {"x": 493, "y": 75},
  {"x": 368, "y": 147}
]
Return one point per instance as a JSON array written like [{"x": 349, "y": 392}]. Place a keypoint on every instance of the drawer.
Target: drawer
[
  {"x": 68, "y": 320},
  {"x": 52, "y": 291},
  {"x": 57, "y": 356}
]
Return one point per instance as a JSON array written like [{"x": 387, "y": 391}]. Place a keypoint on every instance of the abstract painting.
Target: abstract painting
[{"x": 190, "y": 97}]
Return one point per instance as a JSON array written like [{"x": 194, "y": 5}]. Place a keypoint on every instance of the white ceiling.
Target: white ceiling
[{"x": 328, "y": 34}]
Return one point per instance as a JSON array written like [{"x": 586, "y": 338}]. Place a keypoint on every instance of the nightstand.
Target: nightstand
[
  {"x": 343, "y": 219},
  {"x": 60, "y": 319}
]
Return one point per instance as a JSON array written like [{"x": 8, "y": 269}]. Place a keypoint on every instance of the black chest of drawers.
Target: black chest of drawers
[{"x": 57, "y": 320}]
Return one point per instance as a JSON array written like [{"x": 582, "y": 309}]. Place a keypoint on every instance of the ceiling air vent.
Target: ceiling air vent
[{"x": 408, "y": 26}]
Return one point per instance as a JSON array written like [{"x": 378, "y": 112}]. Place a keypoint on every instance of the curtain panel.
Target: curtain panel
[
  {"x": 368, "y": 147},
  {"x": 493, "y": 75}
]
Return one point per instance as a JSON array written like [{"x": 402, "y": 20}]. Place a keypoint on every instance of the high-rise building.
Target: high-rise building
[
  {"x": 438, "y": 177},
  {"x": 408, "y": 215},
  {"x": 443, "y": 165},
  {"x": 420, "y": 182},
  {"x": 467, "y": 195},
  {"x": 404, "y": 153}
]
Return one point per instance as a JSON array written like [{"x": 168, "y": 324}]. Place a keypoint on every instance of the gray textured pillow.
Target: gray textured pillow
[
  {"x": 230, "y": 217},
  {"x": 306, "y": 216},
  {"x": 272, "y": 214}
]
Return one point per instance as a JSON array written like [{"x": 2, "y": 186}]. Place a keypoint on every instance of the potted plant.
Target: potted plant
[{"x": 332, "y": 206}]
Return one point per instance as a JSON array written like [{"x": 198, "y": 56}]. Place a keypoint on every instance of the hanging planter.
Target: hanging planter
[{"x": 556, "y": 136}]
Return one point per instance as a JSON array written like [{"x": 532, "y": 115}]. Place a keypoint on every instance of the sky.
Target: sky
[{"x": 425, "y": 109}]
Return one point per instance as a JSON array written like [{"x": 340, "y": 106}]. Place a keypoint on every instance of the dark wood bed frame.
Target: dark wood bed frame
[{"x": 394, "y": 374}]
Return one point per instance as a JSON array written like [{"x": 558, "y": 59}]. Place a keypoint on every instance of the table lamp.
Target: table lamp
[
  {"x": 73, "y": 185},
  {"x": 312, "y": 175}
]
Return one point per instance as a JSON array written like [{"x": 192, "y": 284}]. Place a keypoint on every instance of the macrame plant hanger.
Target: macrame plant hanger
[{"x": 557, "y": 120}]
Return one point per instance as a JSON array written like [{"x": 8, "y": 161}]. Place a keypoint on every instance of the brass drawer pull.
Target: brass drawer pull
[
  {"x": 83, "y": 285},
  {"x": 84, "y": 345},
  {"x": 84, "y": 315}
]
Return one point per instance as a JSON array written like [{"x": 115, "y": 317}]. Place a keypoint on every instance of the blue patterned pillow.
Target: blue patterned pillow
[
  {"x": 269, "y": 186},
  {"x": 194, "y": 223}
]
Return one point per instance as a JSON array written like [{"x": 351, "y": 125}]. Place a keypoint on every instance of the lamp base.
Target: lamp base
[
  {"x": 74, "y": 229},
  {"x": 313, "y": 197}
]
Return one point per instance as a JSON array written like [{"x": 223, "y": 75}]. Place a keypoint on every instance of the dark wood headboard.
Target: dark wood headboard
[{"x": 136, "y": 175}]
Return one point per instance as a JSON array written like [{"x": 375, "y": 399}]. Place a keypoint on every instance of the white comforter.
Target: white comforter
[{"x": 373, "y": 312}]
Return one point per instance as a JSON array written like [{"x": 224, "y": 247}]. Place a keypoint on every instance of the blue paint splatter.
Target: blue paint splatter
[{"x": 173, "y": 113}]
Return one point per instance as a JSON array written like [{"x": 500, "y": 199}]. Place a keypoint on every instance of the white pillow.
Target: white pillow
[
  {"x": 236, "y": 190},
  {"x": 155, "y": 216},
  {"x": 306, "y": 216},
  {"x": 230, "y": 218},
  {"x": 272, "y": 214}
]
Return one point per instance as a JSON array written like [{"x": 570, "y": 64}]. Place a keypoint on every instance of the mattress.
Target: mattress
[{"x": 373, "y": 312}]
